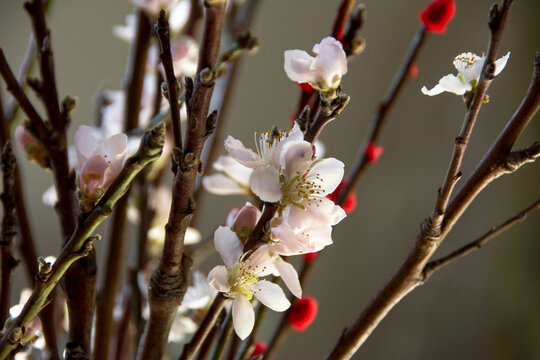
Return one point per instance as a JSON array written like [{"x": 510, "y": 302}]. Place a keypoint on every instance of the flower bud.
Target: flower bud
[
  {"x": 373, "y": 152},
  {"x": 303, "y": 313},
  {"x": 309, "y": 257},
  {"x": 245, "y": 220},
  {"x": 31, "y": 146},
  {"x": 259, "y": 348},
  {"x": 437, "y": 15}
]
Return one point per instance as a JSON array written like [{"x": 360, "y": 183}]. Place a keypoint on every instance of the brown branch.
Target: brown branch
[
  {"x": 172, "y": 88},
  {"x": 438, "y": 264},
  {"x": 329, "y": 108},
  {"x": 490, "y": 166},
  {"x": 191, "y": 348},
  {"x": 115, "y": 242},
  {"x": 170, "y": 278},
  {"x": 27, "y": 247},
  {"x": 410, "y": 273},
  {"x": 8, "y": 234},
  {"x": 361, "y": 163},
  {"x": 344, "y": 11}
]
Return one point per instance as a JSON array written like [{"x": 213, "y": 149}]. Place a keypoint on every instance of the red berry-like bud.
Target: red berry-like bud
[
  {"x": 350, "y": 202},
  {"x": 259, "y": 348},
  {"x": 309, "y": 257},
  {"x": 306, "y": 87},
  {"x": 373, "y": 152},
  {"x": 437, "y": 15},
  {"x": 303, "y": 313},
  {"x": 413, "y": 71}
]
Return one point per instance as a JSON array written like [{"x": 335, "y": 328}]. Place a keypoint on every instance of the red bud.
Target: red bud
[
  {"x": 259, "y": 348},
  {"x": 437, "y": 15},
  {"x": 309, "y": 257},
  {"x": 350, "y": 202},
  {"x": 373, "y": 152},
  {"x": 303, "y": 313}
]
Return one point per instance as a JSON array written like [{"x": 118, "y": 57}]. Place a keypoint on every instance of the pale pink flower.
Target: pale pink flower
[
  {"x": 322, "y": 71},
  {"x": 239, "y": 280},
  {"x": 232, "y": 179},
  {"x": 31, "y": 146},
  {"x": 99, "y": 162}
]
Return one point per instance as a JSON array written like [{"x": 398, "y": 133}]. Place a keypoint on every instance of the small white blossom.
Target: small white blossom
[
  {"x": 322, "y": 71},
  {"x": 469, "y": 67}
]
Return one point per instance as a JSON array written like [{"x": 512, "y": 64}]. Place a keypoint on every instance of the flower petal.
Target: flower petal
[
  {"x": 85, "y": 143},
  {"x": 330, "y": 64},
  {"x": 290, "y": 276},
  {"x": 220, "y": 184},
  {"x": 271, "y": 295},
  {"x": 243, "y": 317},
  {"x": 228, "y": 245},
  {"x": 265, "y": 183},
  {"x": 233, "y": 169},
  {"x": 296, "y": 158},
  {"x": 501, "y": 63},
  {"x": 298, "y": 65},
  {"x": 240, "y": 153},
  {"x": 329, "y": 173},
  {"x": 218, "y": 278}
]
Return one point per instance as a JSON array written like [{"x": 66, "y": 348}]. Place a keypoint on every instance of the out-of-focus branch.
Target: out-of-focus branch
[{"x": 8, "y": 234}]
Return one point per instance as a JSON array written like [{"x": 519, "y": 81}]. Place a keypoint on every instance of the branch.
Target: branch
[
  {"x": 330, "y": 107},
  {"x": 80, "y": 243},
  {"x": 8, "y": 234},
  {"x": 169, "y": 280},
  {"x": 435, "y": 265},
  {"x": 361, "y": 163},
  {"x": 410, "y": 273},
  {"x": 115, "y": 242},
  {"x": 489, "y": 168}
]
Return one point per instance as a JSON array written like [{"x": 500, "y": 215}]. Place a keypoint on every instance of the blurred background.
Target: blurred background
[{"x": 486, "y": 306}]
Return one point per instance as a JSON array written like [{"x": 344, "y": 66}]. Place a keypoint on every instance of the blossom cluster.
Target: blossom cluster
[{"x": 283, "y": 171}]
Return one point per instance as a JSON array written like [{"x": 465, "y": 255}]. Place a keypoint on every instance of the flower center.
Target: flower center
[
  {"x": 242, "y": 276},
  {"x": 303, "y": 189}
]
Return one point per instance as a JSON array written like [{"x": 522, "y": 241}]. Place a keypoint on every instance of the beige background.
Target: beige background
[{"x": 483, "y": 307}]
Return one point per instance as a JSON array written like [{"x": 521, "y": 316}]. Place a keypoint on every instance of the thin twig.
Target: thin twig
[{"x": 435, "y": 265}]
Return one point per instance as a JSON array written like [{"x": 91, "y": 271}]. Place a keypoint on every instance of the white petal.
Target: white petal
[
  {"x": 228, "y": 245},
  {"x": 262, "y": 262},
  {"x": 85, "y": 143},
  {"x": 296, "y": 158},
  {"x": 220, "y": 184},
  {"x": 233, "y": 169},
  {"x": 437, "y": 89},
  {"x": 329, "y": 173},
  {"x": 290, "y": 277},
  {"x": 265, "y": 183},
  {"x": 330, "y": 63},
  {"x": 243, "y": 317},
  {"x": 326, "y": 212},
  {"x": 271, "y": 295},
  {"x": 218, "y": 278},
  {"x": 240, "y": 153},
  {"x": 298, "y": 66},
  {"x": 450, "y": 83},
  {"x": 501, "y": 63},
  {"x": 50, "y": 196}
]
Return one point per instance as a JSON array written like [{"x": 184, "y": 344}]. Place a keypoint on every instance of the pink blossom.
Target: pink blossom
[
  {"x": 99, "y": 162},
  {"x": 322, "y": 71}
]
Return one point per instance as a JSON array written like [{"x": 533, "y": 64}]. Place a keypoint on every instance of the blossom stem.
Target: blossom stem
[
  {"x": 224, "y": 336},
  {"x": 191, "y": 348},
  {"x": 361, "y": 163},
  {"x": 80, "y": 243},
  {"x": 344, "y": 11}
]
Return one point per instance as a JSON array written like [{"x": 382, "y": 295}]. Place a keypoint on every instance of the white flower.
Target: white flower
[
  {"x": 469, "y": 67},
  {"x": 239, "y": 280},
  {"x": 125, "y": 32},
  {"x": 234, "y": 178},
  {"x": 322, "y": 71},
  {"x": 99, "y": 162}
]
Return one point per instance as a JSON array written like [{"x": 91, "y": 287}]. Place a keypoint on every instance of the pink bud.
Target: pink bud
[
  {"x": 437, "y": 15},
  {"x": 24, "y": 138},
  {"x": 259, "y": 348},
  {"x": 303, "y": 313},
  {"x": 413, "y": 71},
  {"x": 245, "y": 220},
  {"x": 373, "y": 152}
]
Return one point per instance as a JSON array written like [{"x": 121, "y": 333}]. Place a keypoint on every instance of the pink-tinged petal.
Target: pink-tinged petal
[
  {"x": 24, "y": 137},
  {"x": 115, "y": 146},
  {"x": 233, "y": 169},
  {"x": 247, "y": 217},
  {"x": 294, "y": 241},
  {"x": 271, "y": 295},
  {"x": 220, "y": 184},
  {"x": 501, "y": 63},
  {"x": 328, "y": 172},
  {"x": 85, "y": 143},
  {"x": 218, "y": 279},
  {"x": 330, "y": 64},
  {"x": 298, "y": 66},
  {"x": 290, "y": 277},
  {"x": 296, "y": 158},
  {"x": 91, "y": 174},
  {"x": 240, "y": 153},
  {"x": 326, "y": 212},
  {"x": 262, "y": 262},
  {"x": 294, "y": 135},
  {"x": 228, "y": 245},
  {"x": 265, "y": 183},
  {"x": 243, "y": 317}
]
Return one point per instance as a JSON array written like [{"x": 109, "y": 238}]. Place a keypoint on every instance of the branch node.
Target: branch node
[
  {"x": 44, "y": 271},
  {"x": 494, "y": 17},
  {"x": 207, "y": 77},
  {"x": 189, "y": 162},
  {"x": 490, "y": 71},
  {"x": 188, "y": 92},
  {"x": 15, "y": 335},
  {"x": 211, "y": 122}
]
